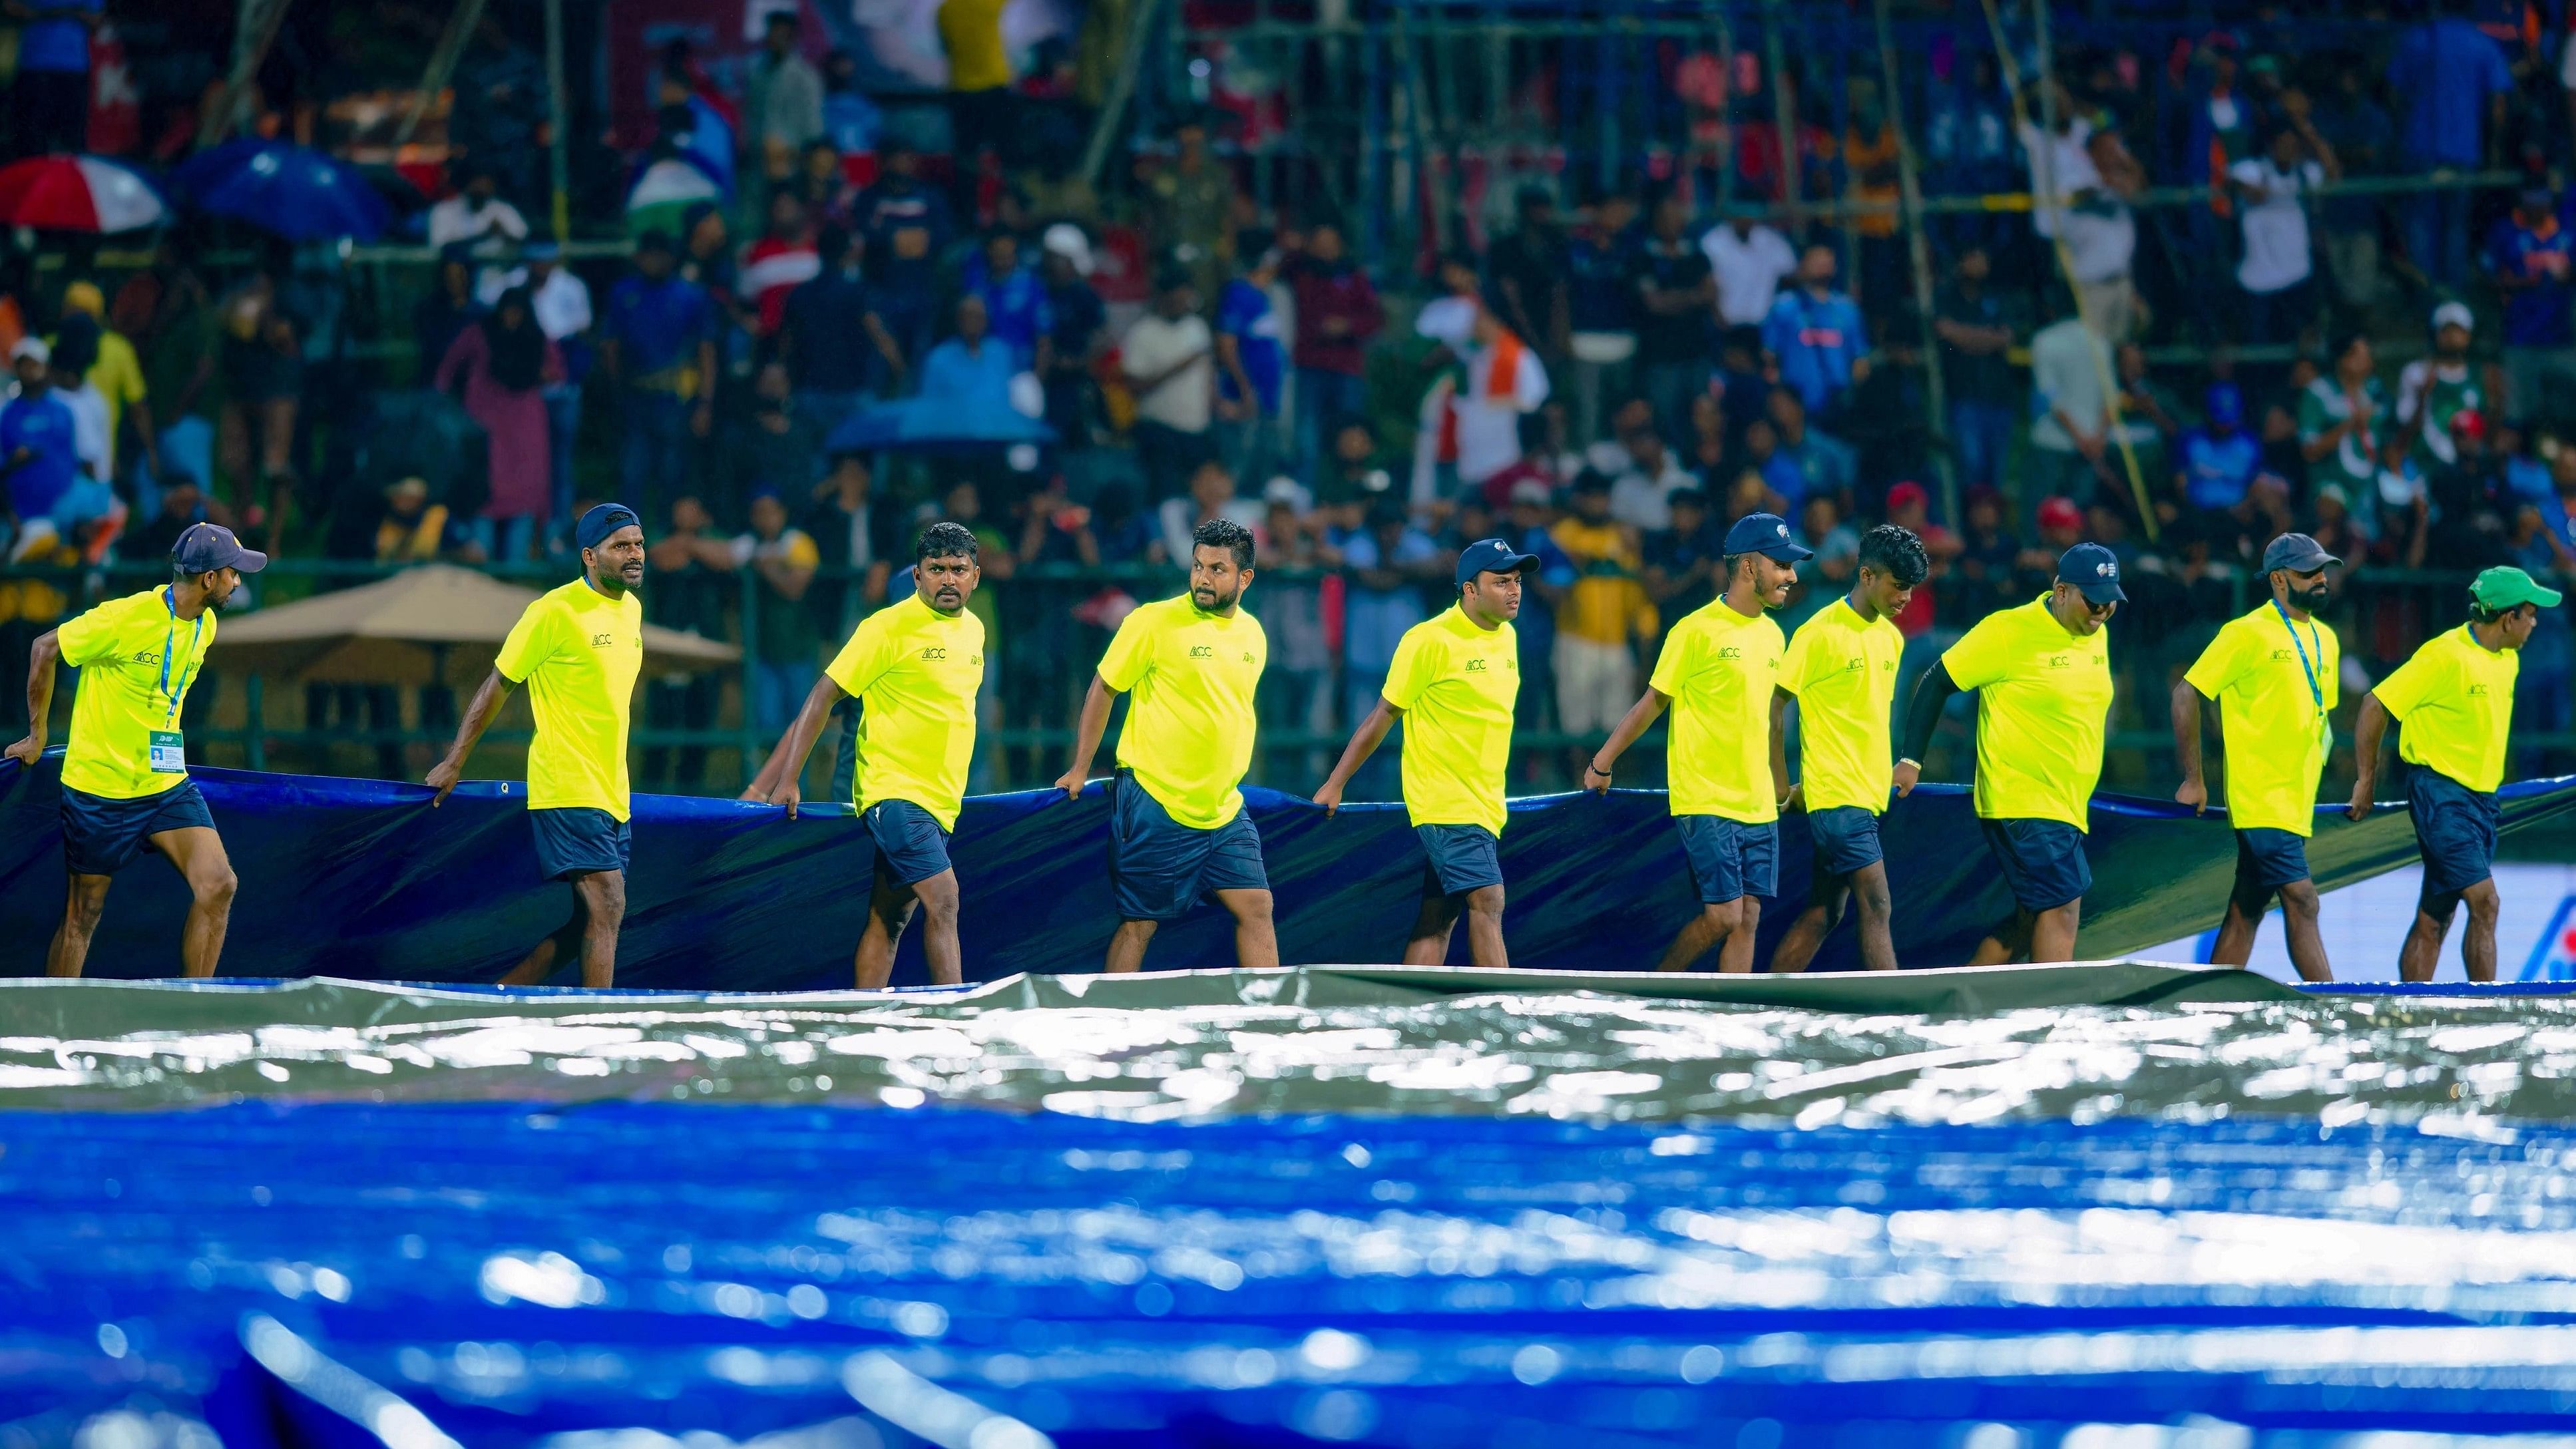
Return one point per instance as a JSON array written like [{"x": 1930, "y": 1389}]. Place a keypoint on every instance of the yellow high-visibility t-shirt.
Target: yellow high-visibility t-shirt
[
  {"x": 1457, "y": 685},
  {"x": 122, "y": 697},
  {"x": 916, "y": 672},
  {"x": 1719, "y": 668},
  {"x": 971, "y": 32},
  {"x": 2455, "y": 699},
  {"x": 578, "y": 652},
  {"x": 2043, "y": 697},
  {"x": 1189, "y": 677},
  {"x": 1844, "y": 674},
  {"x": 2271, "y": 714}
]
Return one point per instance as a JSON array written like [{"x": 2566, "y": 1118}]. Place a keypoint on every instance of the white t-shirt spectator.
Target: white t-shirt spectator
[
  {"x": 561, "y": 305},
  {"x": 1645, "y": 502},
  {"x": 1185, "y": 400},
  {"x": 459, "y": 219},
  {"x": 2101, "y": 239},
  {"x": 2069, "y": 165},
  {"x": 1749, "y": 269},
  {"x": 2276, "y": 224},
  {"x": 1503, "y": 382},
  {"x": 2067, "y": 365}
]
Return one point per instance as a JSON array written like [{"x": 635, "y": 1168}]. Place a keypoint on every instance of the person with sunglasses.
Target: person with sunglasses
[{"x": 2042, "y": 673}]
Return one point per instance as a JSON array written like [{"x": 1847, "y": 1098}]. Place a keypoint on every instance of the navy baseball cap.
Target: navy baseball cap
[
  {"x": 205, "y": 547},
  {"x": 1768, "y": 535},
  {"x": 601, "y": 521},
  {"x": 2093, "y": 571},
  {"x": 2298, "y": 553},
  {"x": 1490, "y": 556}
]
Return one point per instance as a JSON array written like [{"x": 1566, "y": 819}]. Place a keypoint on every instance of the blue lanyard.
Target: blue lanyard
[
  {"x": 2315, "y": 692},
  {"x": 170, "y": 637}
]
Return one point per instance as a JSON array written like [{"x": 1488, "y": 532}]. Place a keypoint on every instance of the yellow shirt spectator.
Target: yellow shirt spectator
[
  {"x": 1607, "y": 603},
  {"x": 971, "y": 32},
  {"x": 124, "y": 697},
  {"x": 1843, "y": 672},
  {"x": 1719, "y": 669},
  {"x": 578, "y": 652},
  {"x": 2043, "y": 695},
  {"x": 915, "y": 672},
  {"x": 1457, "y": 685},
  {"x": 2455, "y": 699},
  {"x": 1190, "y": 676},
  {"x": 2272, "y": 712}
]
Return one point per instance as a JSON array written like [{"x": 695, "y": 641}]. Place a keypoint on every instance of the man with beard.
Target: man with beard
[
  {"x": 125, "y": 784},
  {"x": 1177, "y": 827},
  {"x": 1454, "y": 682},
  {"x": 1728, "y": 762},
  {"x": 2272, "y": 673},
  {"x": 578, "y": 649},
  {"x": 915, "y": 668}
]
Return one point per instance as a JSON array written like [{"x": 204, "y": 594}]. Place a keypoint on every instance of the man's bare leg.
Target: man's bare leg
[
  {"x": 603, "y": 900},
  {"x": 2423, "y": 948},
  {"x": 1428, "y": 945},
  {"x": 1698, "y": 934},
  {"x": 1127, "y": 947},
  {"x": 1877, "y": 917},
  {"x": 2007, "y": 941},
  {"x": 1256, "y": 935},
  {"x": 1485, "y": 927},
  {"x": 198, "y": 852},
  {"x": 83, "y": 903},
  {"x": 2052, "y": 933},
  {"x": 940, "y": 953},
  {"x": 890, "y": 904},
  {"x": 1736, "y": 956},
  {"x": 1807, "y": 933},
  {"x": 2299, "y": 911},
  {"x": 2477, "y": 943}
]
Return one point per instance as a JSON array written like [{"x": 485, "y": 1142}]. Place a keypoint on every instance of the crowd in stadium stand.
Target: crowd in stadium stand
[{"x": 1614, "y": 371}]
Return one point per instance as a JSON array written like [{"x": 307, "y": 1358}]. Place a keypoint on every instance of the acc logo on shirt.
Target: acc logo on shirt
[
  {"x": 2477, "y": 691},
  {"x": 1729, "y": 651},
  {"x": 2061, "y": 661},
  {"x": 935, "y": 651},
  {"x": 602, "y": 641},
  {"x": 1475, "y": 666},
  {"x": 2280, "y": 656},
  {"x": 1202, "y": 651}
]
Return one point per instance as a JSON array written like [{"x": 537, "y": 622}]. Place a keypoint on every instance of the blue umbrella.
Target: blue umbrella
[
  {"x": 937, "y": 425},
  {"x": 293, "y": 191}
]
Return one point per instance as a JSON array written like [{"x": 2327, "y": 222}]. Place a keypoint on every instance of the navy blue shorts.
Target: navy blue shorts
[
  {"x": 1463, "y": 858},
  {"x": 2455, "y": 828},
  {"x": 101, "y": 836},
  {"x": 1730, "y": 859},
  {"x": 911, "y": 847},
  {"x": 2043, "y": 861},
  {"x": 579, "y": 840},
  {"x": 1159, "y": 868},
  {"x": 2268, "y": 859},
  {"x": 1846, "y": 839}
]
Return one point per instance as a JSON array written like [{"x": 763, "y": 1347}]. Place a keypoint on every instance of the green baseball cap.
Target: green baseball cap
[{"x": 2508, "y": 588}]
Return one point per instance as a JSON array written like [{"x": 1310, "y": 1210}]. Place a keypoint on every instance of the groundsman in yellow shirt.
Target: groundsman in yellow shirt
[
  {"x": 2272, "y": 675},
  {"x": 1177, "y": 827},
  {"x": 2455, "y": 699},
  {"x": 125, "y": 784},
  {"x": 578, "y": 649}
]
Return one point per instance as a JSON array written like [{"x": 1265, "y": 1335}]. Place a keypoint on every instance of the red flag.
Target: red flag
[{"x": 115, "y": 106}]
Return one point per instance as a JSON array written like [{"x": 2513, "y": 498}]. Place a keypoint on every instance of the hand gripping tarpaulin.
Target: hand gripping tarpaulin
[{"x": 363, "y": 879}]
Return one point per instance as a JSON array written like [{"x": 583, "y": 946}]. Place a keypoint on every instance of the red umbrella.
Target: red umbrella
[{"x": 78, "y": 193}]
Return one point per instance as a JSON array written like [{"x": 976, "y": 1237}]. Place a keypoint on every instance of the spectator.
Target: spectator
[
  {"x": 38, "y": 453},
  {"x": 784, "y": 639},
  {"x": 2529, "y": 254},
  {"x": 476, "y": 215},
  {"x": 1078, "y": 331},
  {"x": 1968, "y": 143},
  {"x": 1528, "y": 528},
  {"x": 1498, "y": 380},
  {"x": 780, "y": 260},
  {"x": 851, "y": 122},
  {"x": 970, "y": 368},
  {"x": 1297, "y": 688},
  {"x": 1816, "y": 336},
  {"x": 1675, "y": 291},
  {"x": 1337, "y": 314},
  {"x": 854, "y": 540},
  {"x": 1601, "y": 302},
  {"x": 773, "y": 446},
  {"x": 2452, "y": 81},
  {"x": 2101, "y": 238},
  {"x": 1771, "y": 470},
  {"x": 1531, "y": 284},
  {"x": 1683, "y": 561},
  {"x": 658, "y": 351},
  {"x": 2061, "y": 527},
  {"x": 1169, "y": 358},
  {"x": 1976, "y": 327},
  {"x": 2364, "y": 142},
  {"x": 561, "y": 302},
  {"x": 823, "y": 335},
  {"x": 1211, "y": 497},
  {"x": 1743, "y": 386},
  {"x": 782, "y": 106},
  {"x": 2146, "y": 418},
  {"x": 1252, "y": 366},
  {"x": 166, "y": 311},
  {"x": 2340, "y": 417},
  {"x": 2434, "y": 390},
  {"x": 414, "y": 528},
  {"x": 263, "y": 370},
  {"x": 1389, "y": 562},
  {"x": 2277, "y": 264},
  {"x": 2071, "y": 426},
  {"x": 1909, "y": 506},
  {"x": 907, "y": 225},
  {"x": 1606, "y": 611},
  {"x": 49, "y": 109},
  {"x": 688, "y": 595},
  {"x": 1641, "y": 496},
  {"x": 1987, "y": 553},
  {"x": 1824, "y": 464},
  {"x": 75, "y": 357},
  {"x": 1869, "y": 158},
  {"x": 2337, "y": 530},
  {"x": 118, "y": 376},
  {"x": 502, "y": 365},
  {"x": 1710, "y": 450},
  {"x": 2219, "y": 460},
  {"x": 447, "y": 308},
  {"x": 1828, "y": 575},
  {"x": 1189, "y": 208},
  {"x": 1015, "y": 298},
  {"x": 1749, "y": 260}
]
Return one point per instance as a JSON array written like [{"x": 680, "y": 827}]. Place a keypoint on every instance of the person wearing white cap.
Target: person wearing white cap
[
  {"x": 39, "y": 450},
  {"x": 2433, "y": 390},
  {"x": 1078, "y": 332}
]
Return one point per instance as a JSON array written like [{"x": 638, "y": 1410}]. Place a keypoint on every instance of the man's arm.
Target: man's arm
[
  {"x": 2186, "y": 733},
  {"x": 702, "y": 419},
  {"x": 1923, "y": 717},
  {"x": 782, "y": 774},
  {"x": 2367, "y": 731},
  {"x": 1148, "y": 381},
  {"x": 787, "y": 576},
  {"x": 1781, "y": 790},
  {"x": 1640, "y": 717},
  {"x": 1086, "y": 735},
  {"x": 1364, "y": 742},
  {"x": 40, "y": 697},
  {"x": 1229, "y": 356},
  {"x": 488, "y": 699}
]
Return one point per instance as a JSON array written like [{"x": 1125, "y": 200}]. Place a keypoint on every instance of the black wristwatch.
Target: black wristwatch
[{"x": 1593, "y": 768}]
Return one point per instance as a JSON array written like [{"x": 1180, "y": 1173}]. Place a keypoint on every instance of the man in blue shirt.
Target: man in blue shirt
[
  {"x": 1250, "y": 361},
  {"x": 50, "y": 98},
  {"x": 907, "y": 225},
  {"x": 972, "y": 367},
  {"x": 37, "y": 454},
  {"x": 823, "y": 335},
  {"x": 2221, "y": 460},
  {"x": 1077, "y": 332},
  {"x": 2529, "y": 254},
  {"x": 1388, "y": 562},
  {"x": 657, "y": 346},
  {"x": 1015, "y": 300},
  {"x": 2452, "y": 81},
  {"x": 1816, "y": 336}
]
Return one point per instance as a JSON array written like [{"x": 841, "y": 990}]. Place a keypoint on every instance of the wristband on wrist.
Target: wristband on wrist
[{"x": 1910, "y": 760}]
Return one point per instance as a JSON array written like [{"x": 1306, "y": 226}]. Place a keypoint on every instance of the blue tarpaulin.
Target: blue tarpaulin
[{"x": 363, "y": 879}]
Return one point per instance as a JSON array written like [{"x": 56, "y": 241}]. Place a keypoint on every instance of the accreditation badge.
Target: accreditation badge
[{"x": 168, "y": 755}]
